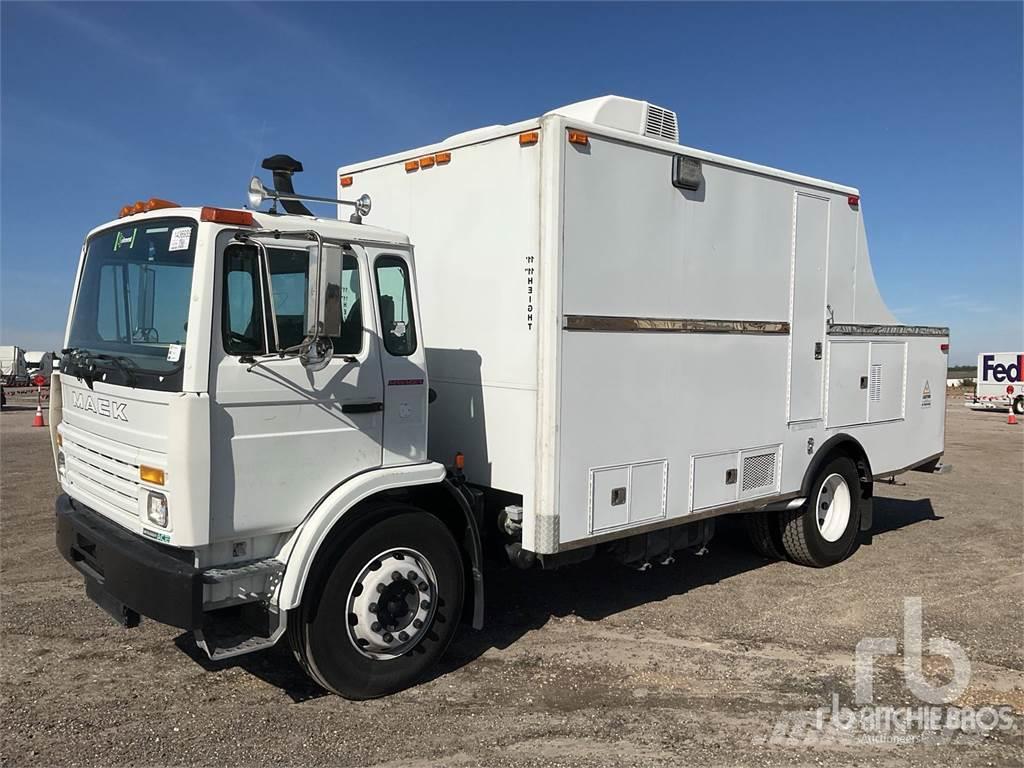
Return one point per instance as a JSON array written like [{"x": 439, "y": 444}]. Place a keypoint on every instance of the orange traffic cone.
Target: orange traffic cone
[
  {"x": 38, "y": 420},
  {"x": 1012, "y": 418}
]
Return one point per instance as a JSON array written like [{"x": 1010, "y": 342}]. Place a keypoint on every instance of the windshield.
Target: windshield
[{"x": 131, "y": 316}]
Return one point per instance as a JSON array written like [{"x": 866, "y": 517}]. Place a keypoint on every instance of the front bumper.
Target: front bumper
[{"x": 127, "y": 575}]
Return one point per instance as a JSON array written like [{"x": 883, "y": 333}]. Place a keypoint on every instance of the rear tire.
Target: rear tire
[
  {"x": 824, "y": 531},
  {"x": 387, "y": 609},
  {"x": 1018, "y": 406},
  {"x": 763, "y": 532}
]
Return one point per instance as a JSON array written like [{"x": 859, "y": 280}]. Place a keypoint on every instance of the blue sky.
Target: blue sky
[{"x": 919, "y": 105}]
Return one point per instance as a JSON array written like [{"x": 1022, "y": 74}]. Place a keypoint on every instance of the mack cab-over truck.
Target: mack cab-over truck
[{"x": 272, "y": 423}]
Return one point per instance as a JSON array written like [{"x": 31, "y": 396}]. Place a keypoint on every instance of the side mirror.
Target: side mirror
[{"x": 324, "y": 316}]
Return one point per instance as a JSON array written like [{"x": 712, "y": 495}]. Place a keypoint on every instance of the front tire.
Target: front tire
[
  {"x": 824, "y": 530},
  {"x": 386, "y": 611}
]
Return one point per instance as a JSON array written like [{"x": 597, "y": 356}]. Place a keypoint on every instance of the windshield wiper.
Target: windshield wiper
[{"x": 87, "y": 370}]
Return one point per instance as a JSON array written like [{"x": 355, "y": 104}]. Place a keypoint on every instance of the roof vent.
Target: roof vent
[
  {"x": 661, "y": 123},
  {"x": 624, "y": 114}
]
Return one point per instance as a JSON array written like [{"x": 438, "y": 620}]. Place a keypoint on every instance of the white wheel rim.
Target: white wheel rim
[
  {"x": 391, "y": 604},
  {"x": 832, "y": 510}
]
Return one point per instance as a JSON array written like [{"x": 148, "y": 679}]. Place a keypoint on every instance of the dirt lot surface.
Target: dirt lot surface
[{"x": 713, "y": 660}]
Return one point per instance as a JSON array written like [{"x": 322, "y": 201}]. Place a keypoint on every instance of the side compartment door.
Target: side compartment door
[
  {"x": 402, "y": 357},
  {"x": 807, "y": 306},
  {"x": 283, "y": 435}
]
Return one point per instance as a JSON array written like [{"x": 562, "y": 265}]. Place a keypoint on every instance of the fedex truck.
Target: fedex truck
[
  {"x": 526, "y": 341},
  {"x": 1000, "y": 382}
]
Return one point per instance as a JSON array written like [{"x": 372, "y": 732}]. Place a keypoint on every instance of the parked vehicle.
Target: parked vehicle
[
  {"x": 1000, "y": 382},
  {"x": 13, "y": 369},
  {"x": 242, "y": 440},
  {"x": 39, "y": 364}
]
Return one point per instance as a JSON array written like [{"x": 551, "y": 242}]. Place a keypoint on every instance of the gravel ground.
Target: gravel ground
[{"x": 712, "y": 660}]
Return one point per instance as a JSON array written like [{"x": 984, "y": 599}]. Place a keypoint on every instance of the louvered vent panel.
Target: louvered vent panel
[
  {"x": 758, "y": 471},
  {"x": 875, "y": 383},
  {"x": 661, "y": 123}
]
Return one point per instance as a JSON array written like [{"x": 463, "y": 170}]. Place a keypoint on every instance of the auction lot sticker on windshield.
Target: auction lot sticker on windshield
[
  {"x": 180, "y": 238},
  {"x": 174, "y": 353}
]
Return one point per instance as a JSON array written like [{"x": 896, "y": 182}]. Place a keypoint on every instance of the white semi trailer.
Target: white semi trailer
[
  {"x": 241, "y": 422},
  {"x": 999, "y": 383}
]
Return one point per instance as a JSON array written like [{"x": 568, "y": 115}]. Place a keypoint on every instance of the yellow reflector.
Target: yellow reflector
[
  {"x": 441, "y": 158},
  {"x": 578, "y": 137},
  {"x": 151, "y": 475},
  {"x": 427, "y": 162},
  {"x": 60, "y": 439},
  {"x": 411, "y": 165},
  {"x": 528, "y": 138}
]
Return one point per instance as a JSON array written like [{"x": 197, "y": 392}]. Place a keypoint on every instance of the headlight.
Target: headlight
[
  {"x": 62, "y": 468},
  {"x": 156, "y": 509}
]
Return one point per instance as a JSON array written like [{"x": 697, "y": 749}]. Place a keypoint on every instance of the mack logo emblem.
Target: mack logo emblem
[
  {"x": 99, "y": 405},
  {"x": 1000, "y": 372}
]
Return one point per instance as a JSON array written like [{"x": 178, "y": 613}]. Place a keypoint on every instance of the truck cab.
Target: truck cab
[{"x": 233, "y": 383}]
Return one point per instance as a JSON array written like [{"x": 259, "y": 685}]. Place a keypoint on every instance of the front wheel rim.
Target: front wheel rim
[
  {"x": 391, "y": 604},
  {"x": 832, "y": 510}
]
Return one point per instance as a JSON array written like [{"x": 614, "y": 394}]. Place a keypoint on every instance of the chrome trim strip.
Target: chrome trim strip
[
  {"x": 855, "y": 329},
  {"x": 672, "y": 325}
]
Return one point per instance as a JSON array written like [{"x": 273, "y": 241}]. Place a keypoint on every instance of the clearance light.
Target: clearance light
[
  {"x": 460, "y": 461},
  {"x": 60, "y": 440},
  {"x": 427, "y": 162},
  {"x": 346, "y": 181},
  {"x": 854, "y": 201},
  {"x": 944, "y": 348},
  {"x": 529, "y": 138},
  {"x": 443, "y": 158},
  {"x": 153, "y": 204},
  {"x": 227, "y": 216},
  {"x": 411, "y": 165},
  {"x": 578, "y": 137},
  {"x": 151, "y": 475}
]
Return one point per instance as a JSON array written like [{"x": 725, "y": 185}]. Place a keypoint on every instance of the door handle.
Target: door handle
[{"x": 362, "y": 407}]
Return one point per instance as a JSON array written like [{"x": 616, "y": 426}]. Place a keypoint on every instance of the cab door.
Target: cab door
[
  {"x": 402, "y": 357},
  {"x": 283, "y": 435}
]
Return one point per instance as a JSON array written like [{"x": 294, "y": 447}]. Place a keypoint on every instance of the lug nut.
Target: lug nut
[
  {"x": 424, "y": 586},
  {"x": 412, "y": 576},
  {"x": 425, "y": 605},
  {"x": 403, "y": 636},
  {"x": 375, "y": 626},
  {"x": 380, "y": 588},
  {"x": 395, "y": 576},
  {"x": 388, "y": 638},
  {"x": 417, "y": 624}
]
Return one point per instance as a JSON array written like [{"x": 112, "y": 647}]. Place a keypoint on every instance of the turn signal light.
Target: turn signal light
[
  {"x": 529, "y": 138},
  {"x": 578, "y": 137},
  {"x": 346, "y": 181},
  {"x": 427, "y": 162},
  {"x": 228, "y": 216},
  {"x": 151, "y": 475},
  {"x": 854, "y": 201},
  {"x": 944, "y": 348},
  {"x": 442, "y": 158},
  {"x": 411, "y": 165}
]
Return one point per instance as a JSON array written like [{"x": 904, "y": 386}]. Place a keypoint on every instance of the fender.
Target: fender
[
  {"x": 465, "y": 500},
  {"x": 866, "y": 505},
  {"x": 300, "y": 550}
]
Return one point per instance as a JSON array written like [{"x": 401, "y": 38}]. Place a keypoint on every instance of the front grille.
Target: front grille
[{"x": 102, "y": 475}]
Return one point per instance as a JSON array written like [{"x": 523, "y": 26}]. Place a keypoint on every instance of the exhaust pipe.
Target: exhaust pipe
[{"x": 283, "y": 166}]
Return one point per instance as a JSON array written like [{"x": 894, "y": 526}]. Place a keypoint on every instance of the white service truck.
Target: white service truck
[
  {"x": 240, "y": 423},
  {"x": 999, "y": 383},
  {"x": 40, "y": 364},
  {"x": 13, "y": 368}
]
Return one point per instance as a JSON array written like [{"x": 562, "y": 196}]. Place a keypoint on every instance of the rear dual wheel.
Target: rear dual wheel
[
  {"x": 821, "y": 532},
  {"x": 387, "y": 609}
]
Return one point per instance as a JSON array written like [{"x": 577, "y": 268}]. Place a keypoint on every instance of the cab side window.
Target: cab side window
[
  {"x": 395, "y": 301},
  {"x": 243, "y": 317}
]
